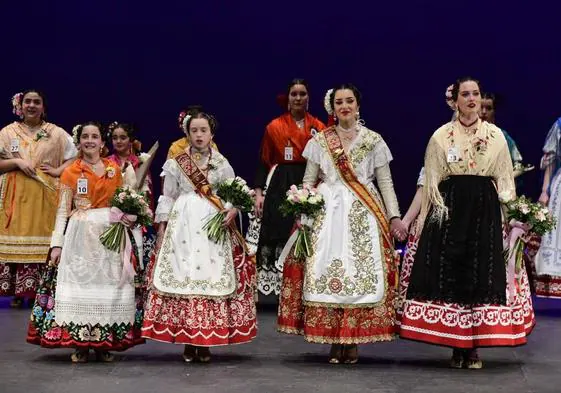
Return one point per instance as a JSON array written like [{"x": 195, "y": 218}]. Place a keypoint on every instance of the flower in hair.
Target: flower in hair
[
  {"x": 327, "y": 102},
  {"x": 185, "y": 122},
  {"x": 180, "y": 118},
  {"x": 110, "y": 128},
  {"x": 75, "y": 133},
  {"x": 16, "y": 105},
  {"x": 449, "y": 98}
]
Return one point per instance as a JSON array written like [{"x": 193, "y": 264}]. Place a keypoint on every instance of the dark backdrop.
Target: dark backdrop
[{"x": 142, "y": 61}]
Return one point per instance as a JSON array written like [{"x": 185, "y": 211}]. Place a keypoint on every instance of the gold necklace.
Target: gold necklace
[{"x": 198, "y": 157}]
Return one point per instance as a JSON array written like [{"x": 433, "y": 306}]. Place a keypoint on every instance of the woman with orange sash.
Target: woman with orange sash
[
  {"x": 87, "y": 296},
  {"x": 343, "y": 294},
  {"x": 281, "y": 165},
  {"x": 33, "y": 154},
  {"x": 201, "y": 293}
]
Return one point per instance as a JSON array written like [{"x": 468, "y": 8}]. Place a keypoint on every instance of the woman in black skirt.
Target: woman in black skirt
[
  {"x": 281, "y": 165},
  {"x": 459, "y": 295}
]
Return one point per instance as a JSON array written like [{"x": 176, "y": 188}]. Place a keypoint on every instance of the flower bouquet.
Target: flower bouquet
[
  {"x": 125, "y": 202},
  {"x": 305, "y": 202},
  {"x": 523, "y": 215},
  {"x": 534, "y": 215},
  {"x": 235, "y": 193}
]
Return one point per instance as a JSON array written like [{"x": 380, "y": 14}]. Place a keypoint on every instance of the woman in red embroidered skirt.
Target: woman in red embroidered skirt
[
  {"x": 343, "y": 294},
  {"x": 201, "y": 293},
  {"x": 457, "y": 287}
]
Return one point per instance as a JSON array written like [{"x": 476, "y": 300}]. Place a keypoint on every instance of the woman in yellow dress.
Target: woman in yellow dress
[{"x": 33, "y": 154}]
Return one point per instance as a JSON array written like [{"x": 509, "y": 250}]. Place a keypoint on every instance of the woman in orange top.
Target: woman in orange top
[
  {"x": 281, "y": 165},
  {"x": 87, "y": 301}
]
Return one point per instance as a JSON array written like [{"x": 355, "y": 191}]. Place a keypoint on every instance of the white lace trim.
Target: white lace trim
[
  {"x": 90, "y": 311},
  {"x": 89, "y": 288}
]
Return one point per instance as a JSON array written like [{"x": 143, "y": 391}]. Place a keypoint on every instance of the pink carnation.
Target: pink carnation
[{"x": 54, "y": 334}]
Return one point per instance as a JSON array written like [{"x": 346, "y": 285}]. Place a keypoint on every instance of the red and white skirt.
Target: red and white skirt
[
  {"x": 460, "y": 326},
  {"x": 204, "y": 321},
  {"x": 330, "y": 324}
]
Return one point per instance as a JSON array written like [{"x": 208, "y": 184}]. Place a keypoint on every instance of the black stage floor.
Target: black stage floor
[{"x": 280, "y": 363}]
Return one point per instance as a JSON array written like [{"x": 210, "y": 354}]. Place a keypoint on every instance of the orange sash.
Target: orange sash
[
  {"x": 346, "y": 173},
  {"x": 197, "y": 177}
]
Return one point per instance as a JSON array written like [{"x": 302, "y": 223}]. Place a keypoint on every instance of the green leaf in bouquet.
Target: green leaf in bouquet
[
  {"x": 216, "y": 231},
  {"x": 112, "y": 238}
]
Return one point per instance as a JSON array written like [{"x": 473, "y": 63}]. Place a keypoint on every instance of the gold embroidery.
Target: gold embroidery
[
  {"x": 337, "y": 281},
  {"x": 316, "y": 228},
  {"x": 362, "y": 248},
  {"x": 331, "y": 323},
  {"x": 362, "y": 149},
  {"x": 168, "y": 278}
]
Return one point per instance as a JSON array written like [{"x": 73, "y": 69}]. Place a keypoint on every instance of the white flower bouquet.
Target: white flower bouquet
[
  {"x": 132, "y": 204},
  {"x": 306, "y": 202},
  {"x": 523, "y": 216},
  {"x": 534, "y": 215},
  {"x": 235, "y": 193}
]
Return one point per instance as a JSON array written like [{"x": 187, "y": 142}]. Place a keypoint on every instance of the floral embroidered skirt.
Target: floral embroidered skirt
[
  {"x": 329, "y": 324},
  {"x": 20, "y": 279},
  {"x": 44, "y": 331},
  {"x": 463, "y": 326},
  {"x": 205, "y": 321}
]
